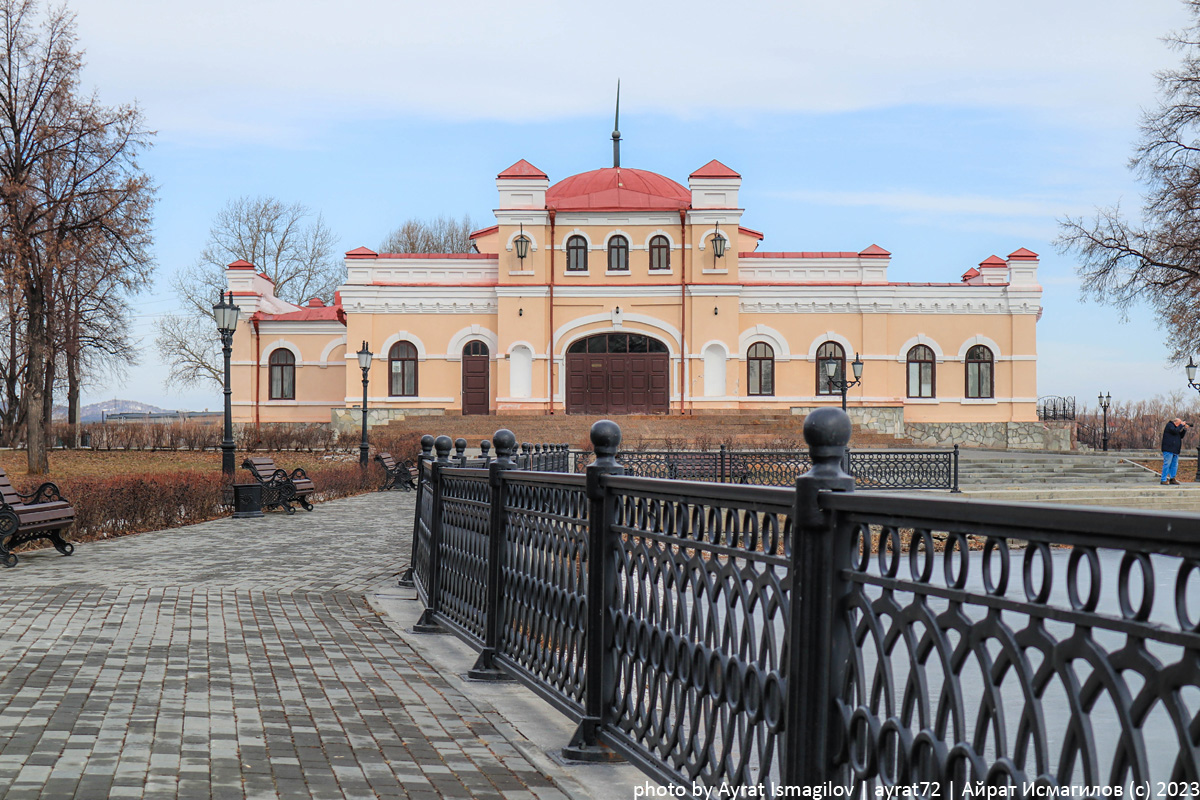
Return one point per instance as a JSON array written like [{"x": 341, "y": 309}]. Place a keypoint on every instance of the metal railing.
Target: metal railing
[
  {"x": 1051, "y": 407},
  {"x": 729, "y": 635},
  {"x": 872, "y": 469}
]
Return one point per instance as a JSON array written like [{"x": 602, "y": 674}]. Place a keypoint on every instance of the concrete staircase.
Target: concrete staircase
[
  {"x": 990, "y": 468},
  {"x": 1070, "y": 479},
  {"x": 709, "y": 430}
]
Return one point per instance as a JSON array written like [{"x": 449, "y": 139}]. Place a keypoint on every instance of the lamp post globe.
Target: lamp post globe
[
  {"x": 225, "y": 312},
  {"x": 364, "y": 363}
]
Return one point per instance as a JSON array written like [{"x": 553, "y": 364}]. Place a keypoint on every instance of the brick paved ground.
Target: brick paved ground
[{"x": 236, "y": 658}]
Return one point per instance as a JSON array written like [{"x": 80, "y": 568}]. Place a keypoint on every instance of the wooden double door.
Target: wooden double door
[{"x": 618, "y": 373}]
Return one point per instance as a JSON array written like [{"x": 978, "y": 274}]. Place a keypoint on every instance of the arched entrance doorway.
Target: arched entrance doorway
[
  {"x": 476, "y": 386},
  {"x": 618, "y": 373}
]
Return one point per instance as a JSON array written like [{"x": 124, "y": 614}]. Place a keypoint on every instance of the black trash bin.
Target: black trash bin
[{"x": 247, "y": 500}]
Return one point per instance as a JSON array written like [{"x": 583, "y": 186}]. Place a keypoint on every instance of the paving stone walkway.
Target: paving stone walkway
[{"x": 237, "y": 658}]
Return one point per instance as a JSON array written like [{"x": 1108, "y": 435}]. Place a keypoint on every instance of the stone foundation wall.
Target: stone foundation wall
[
  {"x": 995, "y": 435},
  {"x": 350, "y": 419},
  {"x": 883, "y": 419}
]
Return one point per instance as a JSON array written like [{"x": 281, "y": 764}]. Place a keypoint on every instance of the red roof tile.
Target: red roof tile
[
  {"x": 522, "y": 169},
  {"x": 1022, "y": 255},
  {"x": 239, "y": 264},
  {"x": 993, "y": 262},
  {"x": 971, "y": 273},
  {"x": 714, "y": 169},
  {"x": 750, "y": 232},
  {"x": 265, "y": 277},
  {"x": 483, "y": 232},
  {"x": 316, "y": 302},
  {"x": 617, "y": 188},
  {"x": 361, "y": 252},
  {"x": 875, "y": 251}
]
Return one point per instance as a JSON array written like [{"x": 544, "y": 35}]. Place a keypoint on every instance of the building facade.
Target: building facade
[{"x": 621, "y": 291}]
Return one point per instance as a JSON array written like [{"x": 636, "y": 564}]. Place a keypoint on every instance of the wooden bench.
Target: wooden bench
[
  {"x": 403, "y": 474},
  {"x": 42, "y": 514},
  {"x": 280, "y": 487}
]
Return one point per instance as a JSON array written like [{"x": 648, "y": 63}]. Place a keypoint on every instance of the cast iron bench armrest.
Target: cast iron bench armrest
[{"x": 46, "y": 493}]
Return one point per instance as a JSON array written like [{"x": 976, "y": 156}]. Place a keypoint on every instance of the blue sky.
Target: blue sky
[{"x": 942, "y": 131}]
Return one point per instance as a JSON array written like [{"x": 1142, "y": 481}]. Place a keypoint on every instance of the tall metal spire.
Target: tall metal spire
[{"x": 617, "y": 129}]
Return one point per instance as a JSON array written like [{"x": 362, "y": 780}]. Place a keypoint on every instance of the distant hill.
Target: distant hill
[{"x": 95, "y": 412}]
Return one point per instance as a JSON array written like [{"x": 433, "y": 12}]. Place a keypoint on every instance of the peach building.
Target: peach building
[{"x": 621, "y": 291}]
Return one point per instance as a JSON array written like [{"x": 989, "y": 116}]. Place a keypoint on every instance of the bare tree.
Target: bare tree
[
  {"x": 288, "y": 243},
  {"x": 67, "y": 169},
  {"x": 441, "y": 234},
  {"x": 1157, "y": 258}
]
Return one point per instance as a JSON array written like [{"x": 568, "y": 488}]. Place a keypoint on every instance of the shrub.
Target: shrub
[{"x": 121, "y": 505}]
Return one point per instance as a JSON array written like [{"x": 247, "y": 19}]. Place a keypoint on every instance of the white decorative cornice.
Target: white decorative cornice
[
  {"x": 419, "y": 299},
  {"x": 437, "y": 271}
]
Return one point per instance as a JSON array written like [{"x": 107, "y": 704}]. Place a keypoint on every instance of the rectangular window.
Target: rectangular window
[{"x": 920, "y": 379}]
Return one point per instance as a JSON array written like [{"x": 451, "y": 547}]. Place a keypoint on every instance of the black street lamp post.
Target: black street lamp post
[
  {"x": 364, "y": 363},
  {"x": 1105, "y": 402},
  {"x": 831, "y": 369},
  {"x": 226, "y": 315}
]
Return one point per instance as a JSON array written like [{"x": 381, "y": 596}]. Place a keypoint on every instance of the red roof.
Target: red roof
[
  {"x": 750, "y": 232},
  {"x": 714, "y": 169},
  {"x": 265, "y": 277},
  {"x": 993, "y": 261},
  {"x": 361, "y": 252},
  {"x": 875, "y": 251},
  {"x": 239, "y": 264},
  {"x": 971, "y": 273},
  {"x": 315, "y": 312},
  {"x": 522, "y": 169},
  {"x": 483, "y": 232},
  {"x": 1022, "y": 255},
  {"x": 617, "y": 188}
]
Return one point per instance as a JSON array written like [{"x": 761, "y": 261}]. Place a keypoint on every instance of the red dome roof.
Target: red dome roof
[{"x": 617, "y": 188}]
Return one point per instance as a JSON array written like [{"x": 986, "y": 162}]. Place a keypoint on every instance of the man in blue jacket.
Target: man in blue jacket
[{"x": 1172, "y": 441}]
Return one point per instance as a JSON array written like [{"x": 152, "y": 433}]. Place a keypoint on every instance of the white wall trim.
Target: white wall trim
[
  {"x": 562, "y": 248},
  {"x": 920, "y": 338},
  {"x": 509, "y": 246},
  {"x": 523, "y": 343},
  {"x": 607, "y": 316},
  {"x": 979, "y": 339},
  {"x": 830, "y": 336},
  {"x": 386, "y": 347},
  {"x": 469, "y": 334},
  {"x": 277, "y": 344},
  {"x": 618, "y": 232},
  {"x": 763, "y": 333},
  {"x": 329, "y": 348},
  {"x": 660, "y": 232}
]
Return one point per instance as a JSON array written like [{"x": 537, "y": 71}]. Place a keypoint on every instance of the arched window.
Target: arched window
[
  {"x": 920, "y": 371},
  {"x": 577, "y": 253},
  {"x": 283, "y": 375},
  {"x": 618, "y": 254},
  {"x": 475, "y": 348},
  {"x": 826, "y": 353},
  {"x": 980, "y": 375},
  {"x": 402, "y": 370},
  {"x": 660, "y": 253},
  {"x": 760, "y": 369}
]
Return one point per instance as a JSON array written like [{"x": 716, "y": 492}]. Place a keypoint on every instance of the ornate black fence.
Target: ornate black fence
[
  {"x": 872, "y": 469},
  {"x": 768, "y": 638},
  {"x": 1051, "y": 407}
]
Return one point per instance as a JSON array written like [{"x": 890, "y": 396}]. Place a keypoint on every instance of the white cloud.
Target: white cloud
[{"x": 304, "y": 59}]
